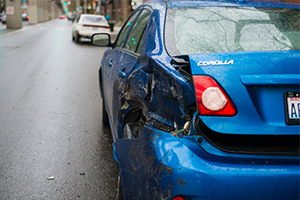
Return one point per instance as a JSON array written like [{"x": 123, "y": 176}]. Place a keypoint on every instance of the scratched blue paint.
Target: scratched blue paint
[
  {"x": 164, "y": 161},
  {"x": 165, "y": 165}
]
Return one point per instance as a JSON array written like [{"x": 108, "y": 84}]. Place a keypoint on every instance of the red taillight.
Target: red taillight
[
  {"x": 178, "y": 198},
  {"x": 211, "y": 98}
]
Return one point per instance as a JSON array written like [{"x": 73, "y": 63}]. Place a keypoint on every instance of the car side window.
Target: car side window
[
  {"x": 125, "y": 30},
  {"x": 140, "y": 43},
  {"x": 137, "y": 31}
]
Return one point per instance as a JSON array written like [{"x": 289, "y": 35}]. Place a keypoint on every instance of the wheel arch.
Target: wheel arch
[
  {"x": 130, "y": 115},
  {"x": 100, "y": 82}
]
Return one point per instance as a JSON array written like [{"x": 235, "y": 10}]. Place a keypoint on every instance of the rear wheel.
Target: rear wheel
[
  {"x": 119, "y": 195},
  {"x": 77, "y": 37},
  {"x": 131, "y": 130},
  {"x": 133, "y": 124},
  {"x": 105, "y": 120}
]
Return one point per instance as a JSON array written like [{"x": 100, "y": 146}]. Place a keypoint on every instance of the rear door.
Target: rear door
[{"x": 120, "y": 62}]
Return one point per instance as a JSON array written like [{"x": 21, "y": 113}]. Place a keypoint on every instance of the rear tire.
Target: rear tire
[
  {"x": 77, "y": 37},
  {"x": 105, "y": 119},
  {"x": 119, "y": 195}
]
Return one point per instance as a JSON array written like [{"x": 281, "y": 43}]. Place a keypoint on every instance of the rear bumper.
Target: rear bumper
[
  {"x": 158, "y": 165},
  {"x": 253, "y": 144}
]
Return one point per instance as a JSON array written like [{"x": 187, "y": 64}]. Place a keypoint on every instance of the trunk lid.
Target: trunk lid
[{"x": 257, "y": 83}]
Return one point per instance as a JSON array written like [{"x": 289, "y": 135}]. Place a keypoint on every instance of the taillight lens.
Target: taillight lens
[
  {"x": 211, "y": 98},
  {"x": 178, "y": 198}
]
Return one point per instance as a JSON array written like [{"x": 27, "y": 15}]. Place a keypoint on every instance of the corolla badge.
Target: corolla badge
[{"x": 217, "y": 62}]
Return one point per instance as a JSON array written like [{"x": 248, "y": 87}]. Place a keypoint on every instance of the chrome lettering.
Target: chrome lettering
[{"x": 217, "y": 62}]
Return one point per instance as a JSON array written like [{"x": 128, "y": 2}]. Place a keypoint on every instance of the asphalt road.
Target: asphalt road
[{"x": 50, "y": 117}]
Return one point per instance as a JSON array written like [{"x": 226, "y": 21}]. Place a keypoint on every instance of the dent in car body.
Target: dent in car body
[
  {"x": 164, "y": 101},
  {"x": 156, "y": 88},
  {"x": 145, "y": 165}
]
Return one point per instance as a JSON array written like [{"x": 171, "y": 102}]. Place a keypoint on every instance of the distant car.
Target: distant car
[
  {"x": 86, "y": 25},
  {"x": 25, "y": 16},
  {"x": 4, "y": 19},
  {"x": 203, "y": 100},
  {"x": 62, "y": 16},
  {"x": 1, "y": 15},
  {"x": 71, "y": 16}
]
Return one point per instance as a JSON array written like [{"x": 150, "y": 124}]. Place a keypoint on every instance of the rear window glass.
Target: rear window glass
[
  {"x": 228, "y": 29},
  {"x": 90, "y": 19}
]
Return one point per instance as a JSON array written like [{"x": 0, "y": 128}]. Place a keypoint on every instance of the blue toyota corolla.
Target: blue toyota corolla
[{"x": 203, "y": 100}]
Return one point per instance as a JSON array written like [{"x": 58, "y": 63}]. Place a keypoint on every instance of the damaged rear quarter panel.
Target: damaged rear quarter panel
[
  {"x": 159, "y": 166},
  {"x": 141, "y": 164}
]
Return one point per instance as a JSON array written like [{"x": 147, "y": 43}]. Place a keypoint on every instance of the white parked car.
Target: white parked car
[{"x": 86, "y": 25}]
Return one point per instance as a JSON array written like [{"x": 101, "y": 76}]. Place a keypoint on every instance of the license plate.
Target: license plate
[
  {"x": 94, "y": 28},
  {"x": 292, "y": 107}
]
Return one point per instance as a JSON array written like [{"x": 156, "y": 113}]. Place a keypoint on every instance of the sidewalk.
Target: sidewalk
[
  {"x": 116, "y": 30},
  {"x": 114, "y": 34},
  {"x": 4, "y": 30}
]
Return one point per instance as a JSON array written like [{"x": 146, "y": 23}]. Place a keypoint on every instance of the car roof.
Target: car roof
[{"x": 227, "y": 3}]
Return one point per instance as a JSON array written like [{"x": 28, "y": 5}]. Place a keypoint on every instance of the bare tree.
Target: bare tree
[{"x": 92, "y": 7}]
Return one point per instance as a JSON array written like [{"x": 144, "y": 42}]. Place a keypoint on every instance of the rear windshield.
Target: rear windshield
[
  {"x": 228, "y": 29},
  {"x": 91, "y": 19}
]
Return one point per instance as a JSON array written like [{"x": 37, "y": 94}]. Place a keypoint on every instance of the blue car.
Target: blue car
[{"x": 203, "y": 100}]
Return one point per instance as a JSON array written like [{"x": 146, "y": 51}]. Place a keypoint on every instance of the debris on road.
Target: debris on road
[{"x": 50, "y": 178}]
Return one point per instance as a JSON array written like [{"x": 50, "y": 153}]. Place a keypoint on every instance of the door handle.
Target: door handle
[
  {"x": 110, "y": 63},
  {"x": 121, "y": 74}
]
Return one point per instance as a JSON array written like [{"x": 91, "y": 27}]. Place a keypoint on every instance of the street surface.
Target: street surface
[{"x": 50, "y": 117}]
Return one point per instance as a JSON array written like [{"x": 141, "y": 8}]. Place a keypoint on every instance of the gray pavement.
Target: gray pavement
[{"x": 50, "y": 117}]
